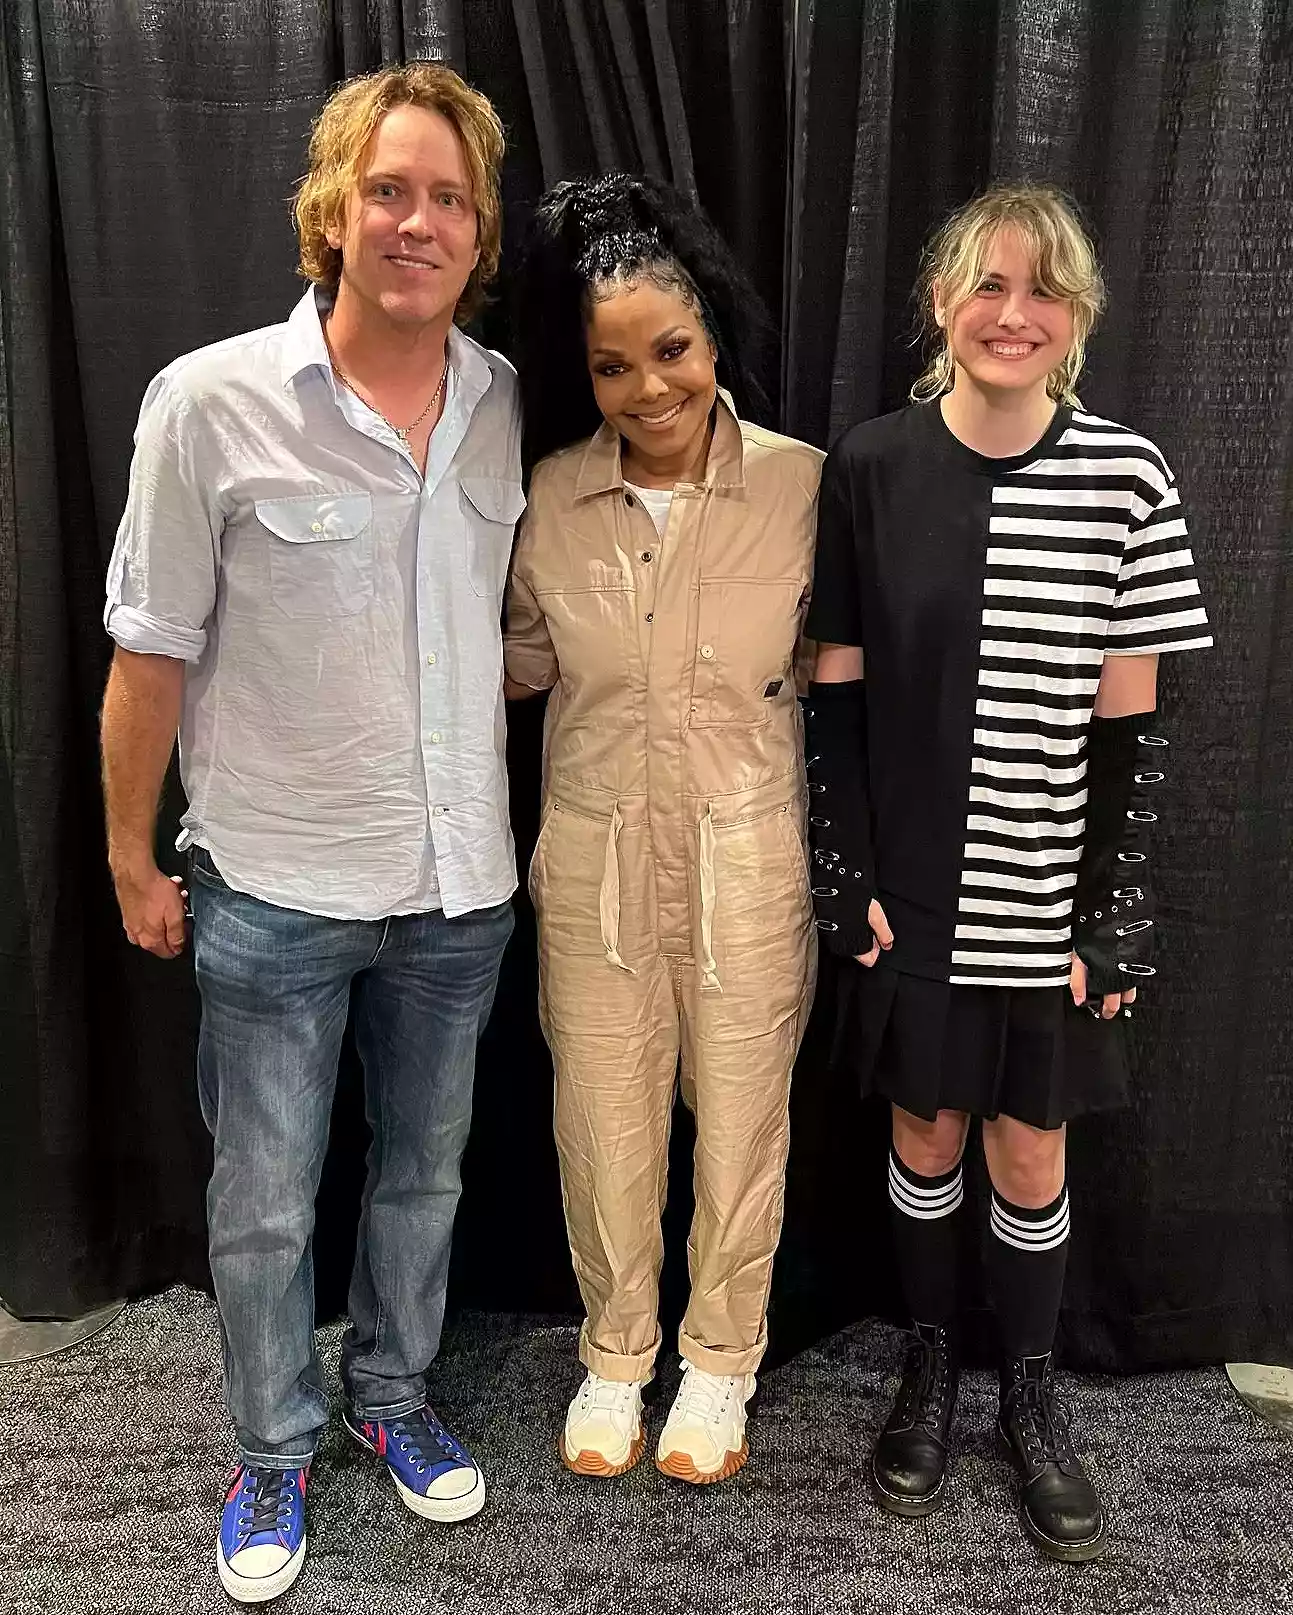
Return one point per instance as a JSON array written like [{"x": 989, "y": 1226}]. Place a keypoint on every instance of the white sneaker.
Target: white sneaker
[
  {"x": 604, "y": 1434},
  {"x": 704, "y": 1436}
]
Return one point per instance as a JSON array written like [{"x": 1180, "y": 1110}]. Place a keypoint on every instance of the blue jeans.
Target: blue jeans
[{"x": 276, "y": 990}]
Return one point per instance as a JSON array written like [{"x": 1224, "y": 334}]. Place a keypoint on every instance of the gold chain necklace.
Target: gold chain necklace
[{"x": 401, "y": 432}]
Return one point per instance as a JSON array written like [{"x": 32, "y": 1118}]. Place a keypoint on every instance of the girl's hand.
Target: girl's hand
[
  {"x": 883, "y": 935},
  {"x": 1110, "y": 1004}
]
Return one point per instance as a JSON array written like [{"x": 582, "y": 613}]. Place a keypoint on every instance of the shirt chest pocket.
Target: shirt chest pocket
[
  {"x": 320, "y": 553},
  {"x": 491, "y": 507},
  {"x": 746, "y": 631}
]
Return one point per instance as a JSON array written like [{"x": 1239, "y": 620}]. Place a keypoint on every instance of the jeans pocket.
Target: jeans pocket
[{"x": 202, "y": 866}]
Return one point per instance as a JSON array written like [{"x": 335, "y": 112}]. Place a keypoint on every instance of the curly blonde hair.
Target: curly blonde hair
[
  {"x": 1051, "y": 231},
  {"x": 343, "y": 129}
]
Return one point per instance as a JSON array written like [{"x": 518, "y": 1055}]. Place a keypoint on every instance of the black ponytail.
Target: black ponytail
[{"x": 621, "y": 228}]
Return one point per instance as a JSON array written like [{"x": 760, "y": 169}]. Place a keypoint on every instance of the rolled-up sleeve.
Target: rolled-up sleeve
[
  {"x": 166, "y": 560},
  {"x": 528, "y": 653}
]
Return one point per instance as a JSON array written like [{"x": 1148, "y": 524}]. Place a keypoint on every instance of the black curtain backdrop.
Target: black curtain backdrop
[{"x": 147, "y": 154}]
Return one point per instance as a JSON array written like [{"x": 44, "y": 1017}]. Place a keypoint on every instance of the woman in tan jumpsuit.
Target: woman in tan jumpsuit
[{"x": 658, "y": 590}]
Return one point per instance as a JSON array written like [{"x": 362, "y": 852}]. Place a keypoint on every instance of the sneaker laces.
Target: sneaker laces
[
  {"x": 417, "y": 1433},
  {"x": 266, "y": 1501},
  {"x": 705, "y": 1397},
  {"x": 613, "y": 1396}
]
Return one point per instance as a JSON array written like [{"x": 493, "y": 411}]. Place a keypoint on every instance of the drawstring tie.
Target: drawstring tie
[
  {"x": 609, "y": 902},
  {"x": 709, "y": 969}
]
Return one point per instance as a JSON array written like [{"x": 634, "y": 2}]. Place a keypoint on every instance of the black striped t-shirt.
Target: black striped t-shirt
[{"x": 985, "y": 594}]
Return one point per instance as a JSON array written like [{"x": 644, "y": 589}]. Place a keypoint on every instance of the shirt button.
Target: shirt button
[
  {"x": 439, "y": 812},
  {"x": 646, "y": 555},
  {"x": 316, "y": 527},
  {"x": 435, "y": 737},
  {"x": 707, "y": 651},
  {"x": 431, "y": 658}
]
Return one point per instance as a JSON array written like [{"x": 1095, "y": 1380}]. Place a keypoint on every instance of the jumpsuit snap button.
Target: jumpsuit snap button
[
  {"x": 650, "y": 616},
  {"x": 628, "y": 498},
  {"x": 646, "y": 555},
  {"x": 707, "y": 651}
]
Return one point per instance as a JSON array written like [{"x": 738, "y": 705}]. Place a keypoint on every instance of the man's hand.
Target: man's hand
[
  {"x": 152, "y": 908},
  {"x": 141, "y": 713},
  {"x": 883, "y": 935}
]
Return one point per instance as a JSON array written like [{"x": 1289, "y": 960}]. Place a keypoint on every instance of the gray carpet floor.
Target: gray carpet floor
[{"x": 115, "y": 1452}]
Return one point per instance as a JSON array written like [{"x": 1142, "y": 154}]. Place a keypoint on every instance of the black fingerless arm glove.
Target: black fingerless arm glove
[
  {"x": 1113, "y": 915},
  {"x": 839, "y": 816}
]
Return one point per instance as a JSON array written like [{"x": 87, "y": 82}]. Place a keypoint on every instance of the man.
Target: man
[{"x": 306, "y": 584}]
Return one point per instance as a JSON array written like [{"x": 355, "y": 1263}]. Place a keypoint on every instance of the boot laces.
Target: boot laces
[
  {"x": 924, "y": 1385},
  {"x": 1044, "y": 1421}
]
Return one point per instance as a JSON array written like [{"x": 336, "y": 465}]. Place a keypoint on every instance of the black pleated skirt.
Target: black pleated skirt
[{"x": 1026, "y": 1052}]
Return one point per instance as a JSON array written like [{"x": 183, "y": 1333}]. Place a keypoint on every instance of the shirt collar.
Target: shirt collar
[
  {"x": 600, "y": 470},
  {"x": 305, "y": 348},
  {"x": 303, "y": 344}
]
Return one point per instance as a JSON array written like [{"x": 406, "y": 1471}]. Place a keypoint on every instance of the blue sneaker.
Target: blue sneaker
[
  {"x": 262, "y": 1533},
  {"x": 434, "y": 1474}
]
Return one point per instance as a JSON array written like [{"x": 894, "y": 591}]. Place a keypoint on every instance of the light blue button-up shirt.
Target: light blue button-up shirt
[{"x": 342, "y": 741}]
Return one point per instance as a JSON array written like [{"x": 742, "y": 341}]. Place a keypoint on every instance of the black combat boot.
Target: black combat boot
[
  {"x": 909, "y": 1464},
  {"x": 1061, "y": 1511}
]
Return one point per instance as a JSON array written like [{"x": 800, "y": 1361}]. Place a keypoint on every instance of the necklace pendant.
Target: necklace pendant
[{"x": 402, "y": 433}]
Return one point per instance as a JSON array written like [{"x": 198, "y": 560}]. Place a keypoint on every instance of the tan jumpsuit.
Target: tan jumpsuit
[{"x": 670, "y": 877}]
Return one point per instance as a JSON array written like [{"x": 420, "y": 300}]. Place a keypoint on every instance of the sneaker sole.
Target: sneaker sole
[
  {"x": 678, "y": 1466},
  {"x": 590, "y": 1462},
  {"x": 445, "y": 1510},
  {"x": 258, "y": 1589}
]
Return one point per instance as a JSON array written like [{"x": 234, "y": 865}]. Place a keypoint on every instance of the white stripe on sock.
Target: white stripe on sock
[
  {"x": 938, "y": 1192},
  {"x": 926, "y": 1205},
  {"x": 1030, "y": 1225},
  {"x": 1045, "y": 1234}
]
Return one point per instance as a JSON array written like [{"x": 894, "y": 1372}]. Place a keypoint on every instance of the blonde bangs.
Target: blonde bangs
[
  {"x": 340, "y": 135},
  {"x": 1064, "y": 262}
]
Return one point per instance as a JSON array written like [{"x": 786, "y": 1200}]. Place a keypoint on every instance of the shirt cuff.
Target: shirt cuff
[
  {"x": 148, "y": 636},
  {"x": 537, "y": 671}
]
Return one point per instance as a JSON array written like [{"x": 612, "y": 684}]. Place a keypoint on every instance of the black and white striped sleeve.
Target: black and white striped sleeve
[{"x": 1157, "y": 605}]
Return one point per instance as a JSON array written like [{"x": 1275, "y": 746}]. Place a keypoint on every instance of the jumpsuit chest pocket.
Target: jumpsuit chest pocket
[
  {"x": 492, "y": 507},
  {"x": 320, "y": 553},
  {"x": 746, "y": 631},
  {"x": 591, "y": 623}
]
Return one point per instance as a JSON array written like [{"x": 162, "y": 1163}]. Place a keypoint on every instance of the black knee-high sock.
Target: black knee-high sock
[
  {"x": 925, "y": 1232},
  {"x": 1026, "y": 1256}
]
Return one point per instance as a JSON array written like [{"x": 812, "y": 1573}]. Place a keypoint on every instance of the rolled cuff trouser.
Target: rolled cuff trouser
[
  {"x": 276, "y": 988},
  {"x": 619, "y": 1028}
]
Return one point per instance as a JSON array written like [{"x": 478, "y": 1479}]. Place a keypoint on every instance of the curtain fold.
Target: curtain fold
[{"x": 825, "y": 140}]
